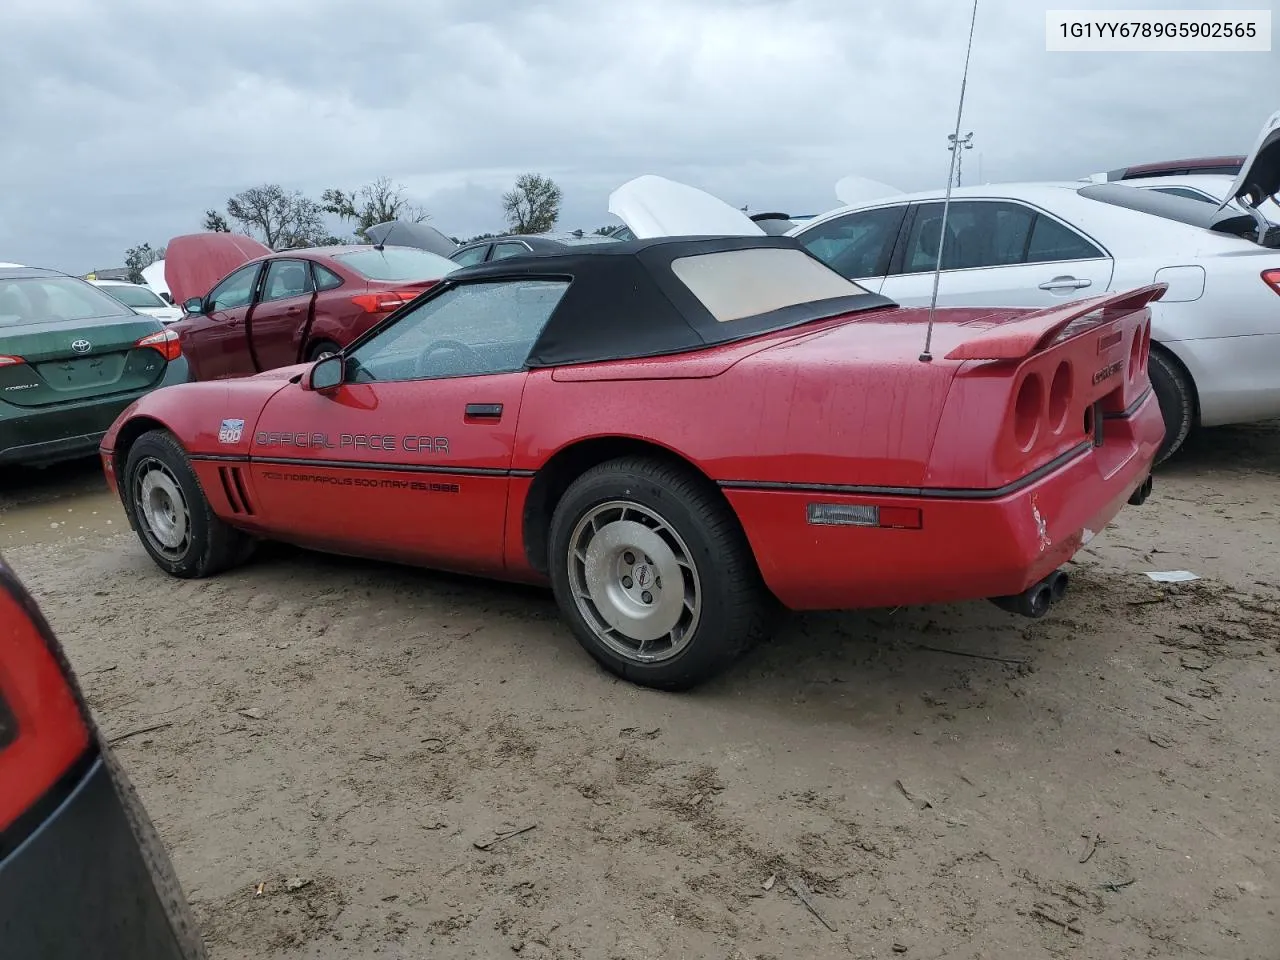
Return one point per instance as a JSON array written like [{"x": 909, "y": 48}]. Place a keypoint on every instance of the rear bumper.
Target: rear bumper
[
  {"x": 41, "y": 436},
  {"x": 80, "y": 885},
  {"x": 966, "y": 548}
]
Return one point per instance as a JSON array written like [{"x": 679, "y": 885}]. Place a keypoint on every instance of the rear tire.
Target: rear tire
[
  {"x": 173, "y": 518},
  {"x": 321, "y": 348},
  {"x": 1176, "y": 397},
  {"x": 621, "y": 530}
]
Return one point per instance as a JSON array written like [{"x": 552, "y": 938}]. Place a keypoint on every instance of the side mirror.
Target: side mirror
[
  {"x": 325, "y": 374},
  {"x": 194, "y": 305}
]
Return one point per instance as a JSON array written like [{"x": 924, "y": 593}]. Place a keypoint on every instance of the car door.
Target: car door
[
  {"x": 283, "y": 309},
  {"x": 857, "y": 245},
  {"x": 999, "y": 253},
  {"x": 408, "y": 457},
  {"x": 215, "y": 341}
]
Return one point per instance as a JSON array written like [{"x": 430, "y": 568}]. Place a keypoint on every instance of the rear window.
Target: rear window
[
  {"x": 41, "y": 299},
  {"x": 397, "y": 263},
  {"x": 133, "y": 296},
  {"x": 733, "y": 284}
]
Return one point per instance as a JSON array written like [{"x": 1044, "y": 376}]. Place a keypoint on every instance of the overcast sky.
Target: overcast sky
[{"x": 121, "y": 121}]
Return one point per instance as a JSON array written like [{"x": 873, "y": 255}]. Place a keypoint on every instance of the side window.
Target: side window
[
  {"x": 468, "y": 257},
  {"x": 1052, "y": 241},
  {"x": 980, "y": 233},
  {"x": 1186, "y": 192},
  {"x": 471, "y": 330},
  {"x": 285, "y": 279},
  {"x": 858, "y": 244},
  {"x": 236, "y": 290},
  {"x": 501, "y": 251},
  {"x": 326, "y": 279}
]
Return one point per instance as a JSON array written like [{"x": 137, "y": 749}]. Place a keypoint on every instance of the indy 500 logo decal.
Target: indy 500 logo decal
[{"x": 231, "y": 431}]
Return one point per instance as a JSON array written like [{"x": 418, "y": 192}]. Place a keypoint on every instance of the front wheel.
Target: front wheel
[
  {"x": 654, "y": 575},
  {"x": 321, "y": 349},
  {"x": 171, "y": 514}
]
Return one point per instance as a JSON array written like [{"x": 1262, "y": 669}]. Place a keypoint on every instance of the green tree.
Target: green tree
[
  {"x": 282, "y": 219},
  {"x": 376, "y": 202},
  {"x": 137, "y": 259},
  {"x": 215, "y": 222},
  {"x": 534, "y": 205}
]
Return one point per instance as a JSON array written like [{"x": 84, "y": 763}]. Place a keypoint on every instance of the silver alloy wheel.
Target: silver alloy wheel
[
  {"x": 162, "y": 509},
  {"x": 634, "y": 581}
]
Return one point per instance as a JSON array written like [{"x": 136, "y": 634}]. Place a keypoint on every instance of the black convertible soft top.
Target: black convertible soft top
[{"x": 626, "y": 301}]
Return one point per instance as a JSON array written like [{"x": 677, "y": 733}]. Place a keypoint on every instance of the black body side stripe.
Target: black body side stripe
[
  {"x": 933, "y": 493},
  {"x": 461, "y": 471}
]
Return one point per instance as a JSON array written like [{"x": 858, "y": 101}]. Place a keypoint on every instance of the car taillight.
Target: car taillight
[
  {"x": 166, "y": 342},
  {"x": 385, "y": 301},
  {"x": 1272, "y": 279},
  {"x": 10, "y": 361},
  {"x": 42, "y": 732}
]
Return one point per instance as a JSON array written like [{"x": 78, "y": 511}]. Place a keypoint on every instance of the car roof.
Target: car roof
[
  {"x": 29, "y": 273},
  {"x": 624, "y": 300}
]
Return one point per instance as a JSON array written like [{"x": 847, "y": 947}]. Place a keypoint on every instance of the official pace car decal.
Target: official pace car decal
[
  {"x": 230, "y": 431},
  {"x": 352, "y": 441}
]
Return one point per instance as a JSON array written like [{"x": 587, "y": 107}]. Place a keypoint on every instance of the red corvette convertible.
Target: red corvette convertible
[
  {"x": 250, "y": 309},
  {"x": 680, "y": 436}
]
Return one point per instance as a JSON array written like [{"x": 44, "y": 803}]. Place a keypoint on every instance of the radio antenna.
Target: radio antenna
[{"x": 926, "y": 356}]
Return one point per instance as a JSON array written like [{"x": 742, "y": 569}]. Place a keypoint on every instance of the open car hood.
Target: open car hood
[
  {"x": 654, "y": 206},
  {"x": 854, "y": 189},
  {"x": 403, "y": 233},
  {"x": 194, "y": 262},
  {"x": 153, "y": 277},
  {"x": 1259, "y": 178}
]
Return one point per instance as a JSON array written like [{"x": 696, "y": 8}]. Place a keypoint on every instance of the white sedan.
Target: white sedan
[
  {"x": 140, "y": 298},
  {"x": 1216, "y": 331}
]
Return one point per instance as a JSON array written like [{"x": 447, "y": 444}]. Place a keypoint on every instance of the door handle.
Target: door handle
[
  {"x": 1065, "y": 283},
  {"x": 293, "y": 310},
  {"x": 484, "y": 411}
]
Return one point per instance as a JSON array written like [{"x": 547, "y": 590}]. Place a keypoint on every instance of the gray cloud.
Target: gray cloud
[{"x": 134, "y": 117}]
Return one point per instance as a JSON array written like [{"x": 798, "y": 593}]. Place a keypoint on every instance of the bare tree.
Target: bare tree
[
  {"x": 281, "y": 219},
  {"x": 372, "y": 203},
  {"x": 216, "y": 222},
  {"x": 138, "y": 258},
  {"x": 534, "y": 205}
]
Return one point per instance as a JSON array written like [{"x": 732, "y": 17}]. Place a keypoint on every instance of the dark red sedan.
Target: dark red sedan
[{"x": 250, "y": 309}]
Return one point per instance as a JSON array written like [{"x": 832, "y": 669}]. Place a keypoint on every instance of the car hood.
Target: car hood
[
  {"x": 1259, "y": 178},
  {"x": 406, "y": 234},
  {"x": 654, "y": 206},
  {"x": 195, "y": 262},
  {"x": 153, "y": 277},
  {"x": 854, "y": 189}
]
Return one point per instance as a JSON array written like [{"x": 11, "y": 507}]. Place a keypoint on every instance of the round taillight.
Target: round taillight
[
  {"x": 1060, "y": 391},
  {"x": 1028, "y": 408}
]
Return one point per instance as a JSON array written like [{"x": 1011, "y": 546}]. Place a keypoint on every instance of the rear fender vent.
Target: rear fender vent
[{"x": 234, "y": 489}]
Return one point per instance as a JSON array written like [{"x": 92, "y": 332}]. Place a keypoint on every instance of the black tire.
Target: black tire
[
  {"x": 1176, "y": 397},
  {"x": 320, "y": 347},
  {"x": 210, "y": 546},
  {"x": 735, "y": 608}
]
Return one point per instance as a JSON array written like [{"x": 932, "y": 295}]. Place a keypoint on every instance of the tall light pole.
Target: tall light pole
[{"x": 965, "y": 143}]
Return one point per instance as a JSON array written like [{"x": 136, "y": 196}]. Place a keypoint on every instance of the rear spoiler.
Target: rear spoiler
[{"x": 1032, "y": 332}]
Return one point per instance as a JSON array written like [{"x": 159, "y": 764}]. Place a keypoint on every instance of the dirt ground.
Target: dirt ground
[{"x": 949, "y": 782}]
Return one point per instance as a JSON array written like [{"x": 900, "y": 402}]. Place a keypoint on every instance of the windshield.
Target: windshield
[
  {"x": 41, "y": 299},
  {"x": 397, "y": 263},
  {"x": 133, "y": 296}
]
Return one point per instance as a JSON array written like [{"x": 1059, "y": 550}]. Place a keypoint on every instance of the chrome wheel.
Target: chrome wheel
[
  {"x": 161, "y": 508},
  {"x": 634, "y": 581}
]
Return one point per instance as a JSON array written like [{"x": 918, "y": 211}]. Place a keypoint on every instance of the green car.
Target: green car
[{"x": 72, "y": 358}]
